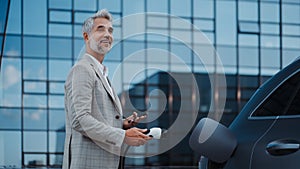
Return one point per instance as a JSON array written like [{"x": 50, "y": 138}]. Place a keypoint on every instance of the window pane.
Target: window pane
[
  {"x": 204, "y": 9},
  {"x": 180, "y": 9},
  {"x": 14, "y": 19},
  {"x": 56, "y": 159},
  {"x": 60, "y": 16},
  {"x": 248, "y": 11},
  {"x": 35, "y": 141},
  {"x": 270, "y": 12},
  {"x": 35, "y": 119},
  {"x": 56, "y": 87},
  {"x": 111, "y": 5},
  {"x": 60, "y": 4},
  {"x": 57, "y": 120},
  {"x": 10, "y": 118},
  {"x": 36, "y": 101},
  {"x": 35, "y": 47},
  {"x": 270, "y": 41},
  {"x": 12, "y": 46},
  {"x": 56, "y": 101},
  {"x": 35, "y": 159},
  {"x": 58, "y": 69},
  {"x": 10, "y": 143},
  {"x": 35, "y": 17},
  {"x": 34, "y": 87},
  {"x": 161, "y": 8},
  {"x": 35, "y": 69},
  {"x": 291, "y": 13},
  {"x": 63, "y": 30},
  {"x": 10, "y": 83},
  {"x": 83, "y": 5},
  {"x": 56, "y": 140},
  {"x": 60, "y": 48}
]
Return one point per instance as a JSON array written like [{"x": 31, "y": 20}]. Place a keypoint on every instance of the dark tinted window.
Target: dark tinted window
[{"x": 284, "y": 101}]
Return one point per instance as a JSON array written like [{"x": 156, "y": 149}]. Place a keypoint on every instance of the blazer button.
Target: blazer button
[{"x": 117, "y": 117}]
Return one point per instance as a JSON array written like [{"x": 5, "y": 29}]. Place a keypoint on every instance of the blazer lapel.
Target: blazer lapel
[{"x": 113, "y": 96}]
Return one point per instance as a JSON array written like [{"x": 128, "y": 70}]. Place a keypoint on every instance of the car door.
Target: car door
[{"x": 278, "y": 147}]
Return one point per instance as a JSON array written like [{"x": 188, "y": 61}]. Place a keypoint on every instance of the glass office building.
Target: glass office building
[{"x": 40, "y": 40}]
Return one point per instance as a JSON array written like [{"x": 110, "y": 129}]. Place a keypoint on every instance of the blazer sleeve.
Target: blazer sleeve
[{"x": 80, "y": 95}]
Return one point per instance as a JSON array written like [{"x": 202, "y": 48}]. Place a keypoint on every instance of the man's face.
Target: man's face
[{"x": 101, "y": 38}]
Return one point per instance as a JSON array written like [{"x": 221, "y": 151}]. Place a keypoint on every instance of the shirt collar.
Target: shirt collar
[{"x": 103, "y": 69}]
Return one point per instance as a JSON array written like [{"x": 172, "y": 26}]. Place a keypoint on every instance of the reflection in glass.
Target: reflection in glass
[
  {"x": 34, "y": 69},
  {"x": 57, "y": 119},
  {"x": 36, "y": 101},
  {"x": 58, "y": 69},
  {"x": 10, "y": 118},
  {"x": 35, "y": 159},
  {"x": 10, "y": 146},
  {"x": 35, "y": 141},
  {"x": 35, "y": 119}
]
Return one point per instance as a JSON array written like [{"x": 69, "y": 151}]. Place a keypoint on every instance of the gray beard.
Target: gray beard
[{"x": 97, "y": 48}]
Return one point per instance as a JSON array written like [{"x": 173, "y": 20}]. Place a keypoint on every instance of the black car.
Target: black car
[{"x": 265, "y": 134}]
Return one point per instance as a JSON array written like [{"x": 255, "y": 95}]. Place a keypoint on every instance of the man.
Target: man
[{"x": 95, "y": 129}]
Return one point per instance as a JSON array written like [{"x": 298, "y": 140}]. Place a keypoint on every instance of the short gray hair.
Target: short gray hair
[{"x": 89, "y": 22}]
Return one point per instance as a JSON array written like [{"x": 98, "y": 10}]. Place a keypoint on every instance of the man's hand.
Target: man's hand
[
  {"x": 133, "y": 120},
  {"x": 135, "y": 137}
]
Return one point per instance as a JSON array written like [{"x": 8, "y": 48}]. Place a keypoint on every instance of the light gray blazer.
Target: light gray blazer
[{"x": 94, "y": 133}]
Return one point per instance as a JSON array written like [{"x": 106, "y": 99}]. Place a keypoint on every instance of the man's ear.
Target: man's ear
[{"x": 85, "y": 36}]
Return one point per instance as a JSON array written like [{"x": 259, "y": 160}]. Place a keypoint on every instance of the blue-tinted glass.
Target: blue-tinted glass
[
  {"x": 35, "y": 47},
  {"x": 270, "y": 12},
  {"x": 160, "y": 6},
  {"x": 3, "y": 14},
  {"x": 10, "y": 83},
  {"x": 115, "y": 53},
  {"x": 35, "y": 17},
  {"x": 291, "y": 13},
  {"x": 248, "y": 10},
  {"x": 132, "y": 47},
  {"x": 181, "y": 9},
  {"x": 60, "y": 48},
  {"x": 270, "y": 58},
  {"x": 181, "y": 54},
  {"x": 270, "y": 41},
  {"x": 80, "y": 17},
  {"x": 10, "y": 153},
  {"x": 291, "y": 30},
  {"x": 35, "y": 69},
  {"x": 60, "y": 4},
  {"x": 85, "y": 5},
  {"x": 35, "y": 141},
  {"x": 79, "y": 48},
  {"x": 57, "y": 119},
  {"x": 56, "y": 87},
  {"x": 12, "y": 46},
  {"x": 270, "y": 28},
  {"x": 226, "y": 16},
  {"x": 35, "y": 119},
  {"x": 58, "y": 69},
  {"x": 248, "y": 58},
  {"x": 34, "y": 101},
  {"x": 10, "y": 118},
  {"x": 289, "y": 55},
  {"x": 34, "y": 87},
  {"x": 133, "y": 7},
  {"x": 56, "y": 101},
  {"x": 60, "y": 16},
  {"x": 56, "y": 159},
  {"x": 112, "y": 5},
  {"x": 203, "y": 9},
  {"x": 35, "y": 159},
  {"x": 60, "y": 30},
  {"x": 204, "y": 24},
  {"x": 77, "y": 31},
  {"x": 14, "y": 19},
  {"x": 1, "y": 42},
  {"x": 249, "y": 27},
  {"x": 56, "y": 140},
  {"x": 291, "y": 42},
  {"x": 248, "y": 40}
]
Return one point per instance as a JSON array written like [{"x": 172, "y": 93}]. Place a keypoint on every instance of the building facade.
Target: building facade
[{"x": 42, "y": 39}]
